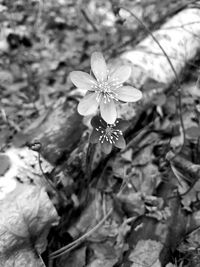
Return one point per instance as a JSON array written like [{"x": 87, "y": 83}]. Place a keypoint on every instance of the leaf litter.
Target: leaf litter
[{"x": 33, "y": 75}]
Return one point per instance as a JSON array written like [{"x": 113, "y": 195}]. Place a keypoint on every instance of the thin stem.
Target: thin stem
[
  {"x": 70, "y": 246},
  {"x": 44, "y": 174},
  {"x": 183, "y": 194},
  {"x": 87, "y": 18},
  {"x": 41, "y": 260},
  {"x": 179, "y": 101},
  {"x": 52, "y": 186},
  {"x": 77, "y": 242}
]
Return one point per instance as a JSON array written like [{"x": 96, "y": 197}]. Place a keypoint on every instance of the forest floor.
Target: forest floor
[{"x": 41, "y": 42}]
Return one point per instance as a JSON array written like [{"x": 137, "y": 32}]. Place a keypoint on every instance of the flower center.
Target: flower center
[
  {"x": 106, "y": 89},
  {"x": 109, "y": 134}
]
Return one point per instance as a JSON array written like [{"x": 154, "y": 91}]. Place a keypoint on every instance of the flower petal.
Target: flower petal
[
  {"x": 98, "y": 66},
  {"x": 95, "y": 121},
  {"x": 88, "y": 105},
  {"x": 106, "y": 147},
  {"x": 120, "y": 143},
  {"x": 82, "y": 80},
  {"x": 120, "y": 74},
  {"x": 121, "y": 125},
  {"x": 128, "y": 94},
  {"x": 98, "y": 121},
  {"x": 108, "y": 111},
  {"x": 94, "y": 137}
]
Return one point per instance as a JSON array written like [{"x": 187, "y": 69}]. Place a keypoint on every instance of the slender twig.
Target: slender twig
[
  {"x": 44, "y": 174},
  {"x": 39, "y": 14},
  {"x": 8, "y": 121},
  {"x": 87, "y": 18},
  {"x": 184, "y": 193},
  {"x": 72, "y": 245},
  {"x": 77, "y": 242},
  {"x": 179, "y": 100},
  {"x": 60, "y": 197},
  {"x": 41, "y": 260},
  {"x": 36, "y": 146}
]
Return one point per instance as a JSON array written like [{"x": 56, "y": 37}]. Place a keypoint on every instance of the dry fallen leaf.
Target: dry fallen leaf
[{"x": 146, "y": 253}]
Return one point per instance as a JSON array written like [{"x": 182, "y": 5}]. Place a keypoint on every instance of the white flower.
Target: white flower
[{"x": 105, "y": 90}]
